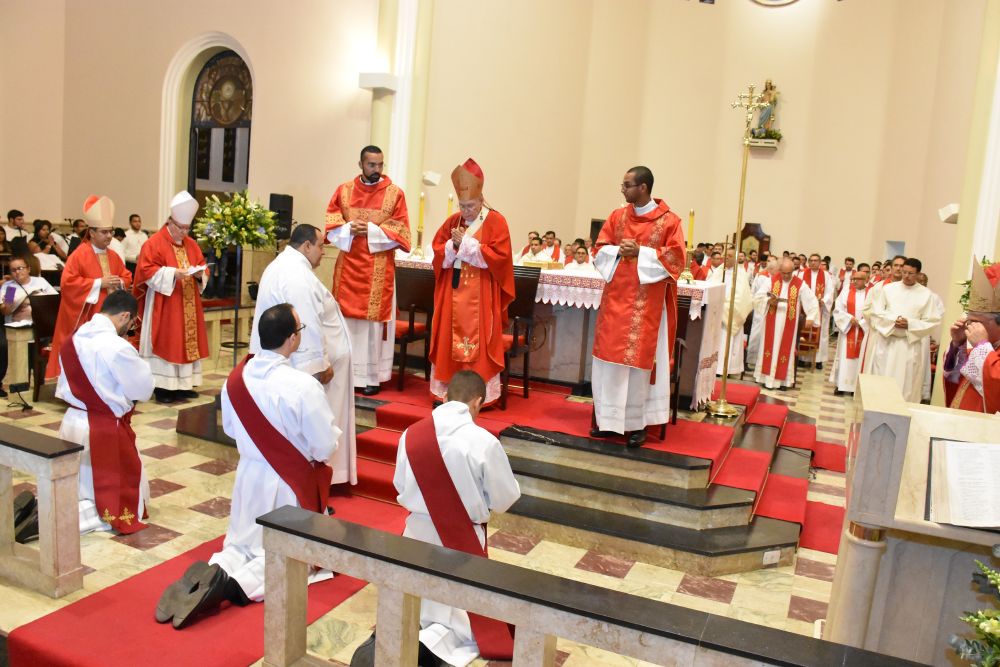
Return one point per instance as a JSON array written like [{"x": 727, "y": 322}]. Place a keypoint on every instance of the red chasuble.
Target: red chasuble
[
  {"x": 963, "y": 396},
  {"x": 629, "y": 317},
  {"x": 309, "y": 480},
  {"x": 114, "y": 459},
  {"x": 698, "y": 271},
  {"x": 82, "y": 268},
  {"x": 363, "y": 282},
  {"x": 469, "y": 319},
  {"x": 786, "y": 349},
  {"x": 453, "y": 525},
  {"x": 177, "y": 329}
]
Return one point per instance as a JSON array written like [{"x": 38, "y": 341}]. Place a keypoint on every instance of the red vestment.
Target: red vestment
[
  {"x": 789, "y": 338},
  {"x": 629, "y": 317},
  {"x": 855, "y": 335},
  {"x": 469, "y": 319},
  {"x": 82, "y": 268},
  {"x": 819, "y": 289},
  {"x": 963, "y": 396},
  {"x": 363, "y": 281},
  {"x": 699, "y": 271},
  {"x": 177, "y": 327}
]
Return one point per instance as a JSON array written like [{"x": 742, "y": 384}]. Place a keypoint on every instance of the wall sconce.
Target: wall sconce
[{"x": 378, "y": 82}]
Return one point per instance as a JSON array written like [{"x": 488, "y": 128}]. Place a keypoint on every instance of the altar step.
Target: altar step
[{"x": 712, "y": 552}]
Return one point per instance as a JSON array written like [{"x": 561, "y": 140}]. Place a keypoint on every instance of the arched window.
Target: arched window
[{"x": 220, "y": 126}]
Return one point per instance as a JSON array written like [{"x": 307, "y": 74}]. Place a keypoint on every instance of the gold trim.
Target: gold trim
[
  {"x": 190, "y": 310},
  {"x": 378, "y": 284},
  {"x": 867, "y": 533}
]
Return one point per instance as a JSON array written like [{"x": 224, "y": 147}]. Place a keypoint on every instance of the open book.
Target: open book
[{"x": 964, "y": 483}]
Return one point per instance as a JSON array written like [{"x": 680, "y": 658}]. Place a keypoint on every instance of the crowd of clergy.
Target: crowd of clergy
[{"x": 131, "y": 328}]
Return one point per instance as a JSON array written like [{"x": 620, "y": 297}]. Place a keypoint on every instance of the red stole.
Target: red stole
[
  {"x": 820, "y": 287},
  {"x": 451, "y": 521},
  {"x": 788, "y": 334},
  {"x": 309, "y": 480},
  {"x": 855, "y": 335},
  {"x": 114, "y": 459}
]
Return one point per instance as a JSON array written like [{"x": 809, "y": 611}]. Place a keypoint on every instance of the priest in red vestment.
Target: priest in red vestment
[
  {"x": 91, "y": 272},
  {"x": 972, "y": 365},
  {"x": 367, "y": 220},
  {"x": 641, "y": 253},
  {"x": 169, "y": 277},
  {"x": 474, "y": 284}
]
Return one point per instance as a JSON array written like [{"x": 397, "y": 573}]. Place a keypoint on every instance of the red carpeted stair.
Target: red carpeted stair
[
  {"x": 738, "y": 393},
  {"x": 796, "y": 434},
  {"x": 378, "y": 445},
  {"x": 399, "y": 416},
  {"x": 830, "y": 456},
  {"x": 822, "y": 527},
  {"x": 375, "y": 480},
  {"x": 768, "y": 414},
  {"x": 744, "y": 469},
  {"x": 784, "y": 498}
]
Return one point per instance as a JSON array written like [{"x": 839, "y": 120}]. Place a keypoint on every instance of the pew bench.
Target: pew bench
[
  {"x": 542, "y": 606},
  {"x": 54, "y": 567}
]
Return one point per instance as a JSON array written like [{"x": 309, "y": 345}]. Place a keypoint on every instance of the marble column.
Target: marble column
[{"x": 861, "y": 551}]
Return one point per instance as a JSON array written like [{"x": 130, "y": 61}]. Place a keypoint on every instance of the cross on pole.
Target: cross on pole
[{"x": 749, "y": 103}]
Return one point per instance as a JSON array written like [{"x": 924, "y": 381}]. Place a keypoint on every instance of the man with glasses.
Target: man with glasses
[
  {"x": 641, "y": 253},
  {"x": 325, "y": 348},
  {"x": 169, "y": 278},
  {"x": 91, "y": 273},
  {"x": 902, "y": 315}
]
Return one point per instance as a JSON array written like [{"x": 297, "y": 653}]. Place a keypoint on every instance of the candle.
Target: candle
[
  {"x": 691, "y": 229},
  {"x": 451, "y": 198},
  {"x": 420, "y": 220}
]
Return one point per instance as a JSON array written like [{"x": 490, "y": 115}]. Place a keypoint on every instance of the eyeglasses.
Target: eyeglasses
[
  {"x": 18, "y": 268},
  {"x": 629, "y": 186},
  {"x": 299, "y": 330}
]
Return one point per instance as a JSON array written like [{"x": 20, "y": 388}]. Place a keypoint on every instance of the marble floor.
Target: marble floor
[{"x": 192, "y": 481}]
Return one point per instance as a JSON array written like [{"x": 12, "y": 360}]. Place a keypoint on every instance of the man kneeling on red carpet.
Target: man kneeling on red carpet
[{"x": 285, "y": 432}]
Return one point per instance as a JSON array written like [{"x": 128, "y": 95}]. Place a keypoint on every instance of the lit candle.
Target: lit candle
[
  {"x": 691, "y": 229},
  {"x": 451, "y": 198},
  {"x": 420, "y": 220}
]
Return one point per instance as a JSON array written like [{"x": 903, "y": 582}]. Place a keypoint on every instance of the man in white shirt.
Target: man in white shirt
[
  {"x": 325, "y": 349},
  {"x": 276, "y": 414},
  {"x": 15, "y": 226},
  {"x": 715, "y": 266},
  {"x": 581, "y": 263},
  {"x": 535, "y": 253},
  {"x": 132, "y": 243},
  {"x": 14, "y": 293},
  {"x": 742, "y": 307}
]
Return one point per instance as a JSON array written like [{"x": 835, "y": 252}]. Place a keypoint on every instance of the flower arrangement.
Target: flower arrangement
[
  {"x": 237, "y": 220},
  {"x": 967, "y": 286},
  {"x": 760, "y": 133},
  {"x": 985, "y": 650}
]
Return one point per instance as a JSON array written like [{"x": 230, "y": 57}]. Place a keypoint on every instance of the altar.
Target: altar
[{"x": 565, "y": 309}]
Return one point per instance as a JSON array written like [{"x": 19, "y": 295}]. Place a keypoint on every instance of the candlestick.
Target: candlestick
[
  {"x": 420, "y": 220},
  {"x": 691, "y": 228},
  {"x": 451, "y": 198},
  {"x": 418, "y": 248}
]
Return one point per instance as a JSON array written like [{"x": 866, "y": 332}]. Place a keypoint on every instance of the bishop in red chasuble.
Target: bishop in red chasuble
[
  {"x": 640, "y": 254},
  {"x": 90, "y": 273},
  {"x": 782, "y": 303},
  {"x": 474, "y": 284},
  {"x": 367, "y": 220},
  {"x": 972, "y": 365},
  {"x": 169, "y": 277}
]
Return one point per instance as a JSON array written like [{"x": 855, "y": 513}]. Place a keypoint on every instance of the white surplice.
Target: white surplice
[
  {"x": 925, "y": 392},
  {"x": 844, "y": 373},
  {"x": 481, "y": 472},
  {"x": 119, "y": 377},
  {"x": 166, "y": 374},
  {"x": 807, "y": 306},
  {"x": 325, "y": 343},
  {"x": 744, "y": 304},
  {"x": 624, "y": 400},
  {"x": 586, "y": 269},
  {"x": 760, "y": 283},
  {"x": 295, "y": 405},
  {"x": 901, "y": 353},
  {"x": 826, "y": 310},
  {"x": 372, "y": 343}
]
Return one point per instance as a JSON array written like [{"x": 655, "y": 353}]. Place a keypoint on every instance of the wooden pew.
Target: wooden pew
[
  {"x": 414, "y": 294},
  {"x": 542, "y": 606},
  {"x": 54, "y": 568}
]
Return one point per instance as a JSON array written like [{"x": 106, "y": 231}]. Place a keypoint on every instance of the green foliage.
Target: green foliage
[
  {"x": 236, "y": 221},
  {"x": 984, "y": 651},
  {"x": 967, "y": 286}
]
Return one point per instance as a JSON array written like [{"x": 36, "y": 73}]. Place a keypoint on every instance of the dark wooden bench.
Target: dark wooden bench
[{"x": 54, "y": 568}]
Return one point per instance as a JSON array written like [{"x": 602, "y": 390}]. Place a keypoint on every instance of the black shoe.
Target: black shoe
[
  {"x": 819, "y": 366},
  {"x": 164, "y": 396},
  {"x": 371, "y": 390},
  {"x": 26, "y": 529},
  {"x": 23, "y": 504},
  {"x": 598, "y": 433},
  {"x": 200, "y": 590},
  {"x": 186, "y": 393},
  {"x": 364, "y": 655},
  {"x": 636, "y": 439},
  {"x": 3, "y": 394}
]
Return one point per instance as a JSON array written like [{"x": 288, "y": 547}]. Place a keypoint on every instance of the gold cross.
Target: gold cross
[
  {"x": 107, "y": 517},
  {"x": 466, "y": 346},
  {"x": 127, "y": 516},
  {"x": 749, "y": 103}
]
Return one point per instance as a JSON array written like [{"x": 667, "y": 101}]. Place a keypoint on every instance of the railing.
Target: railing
[{"x": 542, "y": 606}]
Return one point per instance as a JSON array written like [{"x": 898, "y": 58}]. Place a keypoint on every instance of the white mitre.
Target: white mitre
[{"x": 183, "y": 208}]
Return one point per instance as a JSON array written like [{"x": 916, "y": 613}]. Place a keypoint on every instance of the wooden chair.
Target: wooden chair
[
  {"x": 414, "y": 293},
  {"x": 675, "y": 384},
  {"x": 53, "y": 276},
  {"x": 808, "y": 342},
  {"x": 44, "y": 310},
  {"x": 521, "y": 313}
]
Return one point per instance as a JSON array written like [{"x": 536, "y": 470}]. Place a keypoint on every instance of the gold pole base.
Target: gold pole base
[
  {"x": 418, "y": 253},
  {"x": 721, "y": 408}
]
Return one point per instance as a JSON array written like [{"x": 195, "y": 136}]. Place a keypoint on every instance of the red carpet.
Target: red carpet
[
  {"x": 822, "y": 528},
  {"x": 115, "y": 626},
  {"x": 378, "y": 445},
  {"x": 830, "y": 456},
  {"x": 744, "y": 469},
  {"x": 398, "y": 416},
  {"x": 738, "y": 394},
  {"x": 375, "y": 480},
  {"x": 784, "y": 498},
  {"x": 768, "y": 414},
  {"x": 796, "y": 434}
]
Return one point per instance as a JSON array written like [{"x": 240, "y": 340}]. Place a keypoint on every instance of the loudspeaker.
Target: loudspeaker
[{"x": 282, "y": 205}]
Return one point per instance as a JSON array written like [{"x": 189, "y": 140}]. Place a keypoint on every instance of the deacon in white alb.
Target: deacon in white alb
[
  {"x": 902, "y": 315},
  {"x": 761, "y": 283},
  {"x": 848, "y": 317},
  {"x": 742, "y": 307},
  {"x": 325, "y": 351}
]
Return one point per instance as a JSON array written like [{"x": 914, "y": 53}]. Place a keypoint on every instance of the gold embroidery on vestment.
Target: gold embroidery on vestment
[{"x": 190, "y": 309}]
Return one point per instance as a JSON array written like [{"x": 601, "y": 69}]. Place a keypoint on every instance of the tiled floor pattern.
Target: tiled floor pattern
[{"x": 191, "y": 483}]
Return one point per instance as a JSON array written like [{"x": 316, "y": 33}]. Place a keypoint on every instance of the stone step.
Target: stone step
[
  {"x": 717, "y": 551},
  {"x": 700, "y": 509},
  {"x": 792, "y": 462},
  {"x": 610, "y": 458}
]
